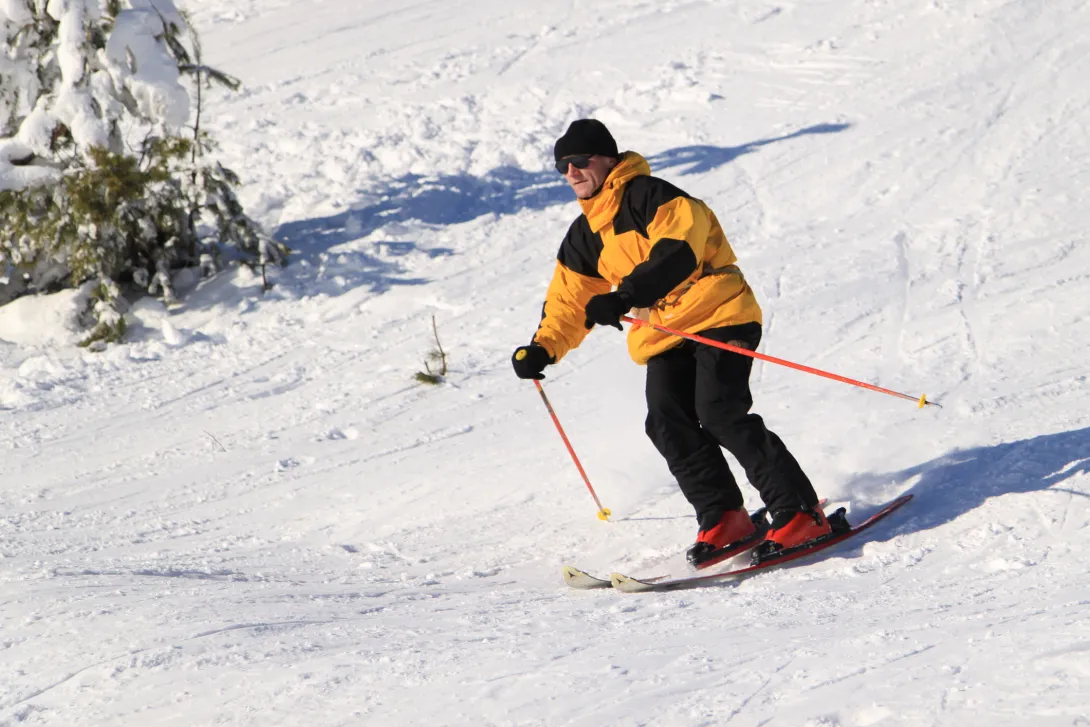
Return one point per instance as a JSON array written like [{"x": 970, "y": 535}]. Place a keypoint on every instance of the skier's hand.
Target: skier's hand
[
  {"x": 530, "y": 361},
  {"x": 606, "y": 310}
]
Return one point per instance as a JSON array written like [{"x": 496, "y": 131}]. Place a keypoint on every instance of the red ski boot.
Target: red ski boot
[
  {"x": 790, "y": 529},
  {"x": 735, "y": 525}
]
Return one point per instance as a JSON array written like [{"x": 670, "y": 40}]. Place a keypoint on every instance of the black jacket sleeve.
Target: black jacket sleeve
[
  {"x": 668, "y": 265},
  {"x": 671, "y": 260}
]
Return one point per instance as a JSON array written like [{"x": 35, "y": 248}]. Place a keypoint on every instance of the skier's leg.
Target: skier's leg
[
  {"x": 692, "y": 454},
  {"x": 723, "y": 401}
]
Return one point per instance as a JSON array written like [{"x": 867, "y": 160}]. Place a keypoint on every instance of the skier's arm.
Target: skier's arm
[
  {"x": 562, "y": 315},
  {"x": 678, "y": 230}
]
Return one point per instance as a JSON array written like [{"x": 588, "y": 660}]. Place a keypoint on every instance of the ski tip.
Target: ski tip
[
  {"x": 572, "y": 574},
  {"x": 581, "y": 579},
  {"x": 571, "y": 571},
  {"x": 628, "y": 584}
]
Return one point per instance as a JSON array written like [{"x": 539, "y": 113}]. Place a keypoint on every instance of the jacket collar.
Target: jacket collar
[{"x": 603, "y": 207}]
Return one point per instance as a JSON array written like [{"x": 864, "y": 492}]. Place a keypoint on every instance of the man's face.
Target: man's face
[{"x": 585, "y": 182}]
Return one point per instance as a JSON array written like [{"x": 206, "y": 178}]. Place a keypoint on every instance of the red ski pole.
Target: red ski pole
[
  {"x": 603, "y": 512},
  {"x": 921, "y": 401}
]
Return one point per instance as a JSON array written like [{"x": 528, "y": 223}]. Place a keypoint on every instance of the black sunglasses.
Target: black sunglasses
[{"x": 579, "y": 161}]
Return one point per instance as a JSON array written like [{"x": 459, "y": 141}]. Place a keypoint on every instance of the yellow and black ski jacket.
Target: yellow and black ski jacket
[{"x": 665, "y": 253}]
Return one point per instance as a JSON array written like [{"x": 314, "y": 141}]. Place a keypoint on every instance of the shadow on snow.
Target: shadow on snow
[
  {"x": 956, "y": 483},
  {"x": 961, "y": 481},
  {"x": 452, "y": 199}
]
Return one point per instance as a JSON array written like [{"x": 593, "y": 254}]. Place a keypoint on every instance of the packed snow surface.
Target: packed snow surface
[{"x": 251, "y": 514}]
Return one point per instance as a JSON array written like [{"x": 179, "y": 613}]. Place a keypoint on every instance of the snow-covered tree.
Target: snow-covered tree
[{"x": 101, "y": 180}]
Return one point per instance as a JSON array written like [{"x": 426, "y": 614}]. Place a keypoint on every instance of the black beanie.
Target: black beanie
[{"x": 586, "y": 136}]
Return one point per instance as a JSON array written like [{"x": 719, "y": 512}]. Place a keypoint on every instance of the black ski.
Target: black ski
[
  {"x": 582, "y": 580},
  {"x": 629, "y": 584}
]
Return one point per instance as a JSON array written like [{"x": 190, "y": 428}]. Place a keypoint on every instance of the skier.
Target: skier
[{"x": 669, "y": 259}]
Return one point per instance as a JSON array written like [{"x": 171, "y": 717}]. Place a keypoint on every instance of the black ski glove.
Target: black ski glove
[
  {"x": 530, "y": 361},
  {"x": 607, "y": 309}
]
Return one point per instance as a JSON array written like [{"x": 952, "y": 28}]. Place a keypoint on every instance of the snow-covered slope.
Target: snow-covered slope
[{"x": 252, "y": 515}]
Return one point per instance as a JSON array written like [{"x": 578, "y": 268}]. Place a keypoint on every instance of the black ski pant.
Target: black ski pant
[{"x": 698, "y": 400}]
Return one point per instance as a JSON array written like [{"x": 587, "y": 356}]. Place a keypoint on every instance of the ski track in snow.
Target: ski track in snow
[{"x": 250, "y": 514}]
